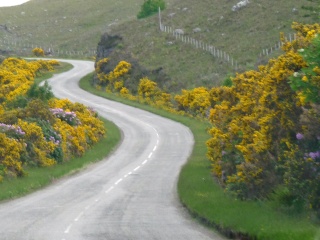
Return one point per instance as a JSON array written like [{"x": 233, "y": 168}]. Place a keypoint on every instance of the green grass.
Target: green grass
[
  {"x": 205, "y": 200},
  {"x": 63, "y": 67},
  {"x": 78, "y": 25}
]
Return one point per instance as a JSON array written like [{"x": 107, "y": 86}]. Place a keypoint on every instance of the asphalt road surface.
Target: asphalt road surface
[{"x": 129, "y": 195}]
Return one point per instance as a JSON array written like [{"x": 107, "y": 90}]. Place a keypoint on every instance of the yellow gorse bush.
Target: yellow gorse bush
[
  {"x": 76, "y": 139},
  {"x": 256, "y": 142},
  {"x": 254, "y": 123},
  {"x": 39, "y": 52},
  {"x": 195, "y": 101},
  {"x": 39, "y": 132},
  {"x": 113, "y": 79}
]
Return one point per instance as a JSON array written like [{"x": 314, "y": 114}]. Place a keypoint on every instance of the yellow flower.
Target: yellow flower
[{"x": 305, "y": 78}]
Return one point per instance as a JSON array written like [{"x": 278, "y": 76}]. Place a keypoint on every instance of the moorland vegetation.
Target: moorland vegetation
[{"x": 264, "y": 143}]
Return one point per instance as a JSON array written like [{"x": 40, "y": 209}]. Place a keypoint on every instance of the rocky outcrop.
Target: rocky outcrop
[{"x": 107, "y": 44}]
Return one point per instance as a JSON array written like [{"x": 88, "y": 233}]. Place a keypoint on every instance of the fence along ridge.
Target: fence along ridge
[
  {"x": 267, "y": 51},
  {"x": 26, "y": 48},
  {"x": 217, "y": 53}
]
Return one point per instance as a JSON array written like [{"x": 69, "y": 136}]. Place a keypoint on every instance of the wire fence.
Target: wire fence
[
  {"x": 25, "y": 49},
  {"x": 277, "y": 46},
  {"x": 217, "y": 53}
]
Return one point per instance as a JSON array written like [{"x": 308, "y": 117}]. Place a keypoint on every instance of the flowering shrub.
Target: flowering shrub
[
  {"x": 35, "y": 128},
  {"x": 264, "y": 134},
  {"x": 69, "y": 117},
  {"x": 38, "y": 52},
  {"x": 11, "y": 130},
  {"x": 307, "y": 80},
  {"x": 10, "y": 150},
  {"x": 112, "y": 79},
  {"x": 76, "y": 138},
  {"x": 195, "y": 101}
]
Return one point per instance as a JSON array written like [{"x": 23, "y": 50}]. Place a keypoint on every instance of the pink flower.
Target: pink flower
[{"x": 299, "y": 136}]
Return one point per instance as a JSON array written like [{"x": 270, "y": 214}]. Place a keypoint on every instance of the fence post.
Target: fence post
[{"x": 160, "y": 24}]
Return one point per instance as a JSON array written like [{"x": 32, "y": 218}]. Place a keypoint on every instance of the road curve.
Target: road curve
[{"x": 129, "y": 195}]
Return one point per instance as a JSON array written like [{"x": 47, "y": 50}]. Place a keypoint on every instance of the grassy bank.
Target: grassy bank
[{"x": 207, "y": 201}]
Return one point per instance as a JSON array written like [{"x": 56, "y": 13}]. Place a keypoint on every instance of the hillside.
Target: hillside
[{"x": 77, "y": 25}]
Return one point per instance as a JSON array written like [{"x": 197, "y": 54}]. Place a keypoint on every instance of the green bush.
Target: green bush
[{"x": 150, "y": 7}]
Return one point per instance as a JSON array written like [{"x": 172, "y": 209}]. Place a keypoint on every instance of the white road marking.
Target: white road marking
[
  {"x": 144, "y": 162},
  {"x": 129, "y": 173},
  {"x": 125, "y": 175},
  {"x": 109, "y": 189},
  {"x": 80, "y": 215},
  {"x": 117, "y": 182},
  {"x": 150, "y": 155},
  {"x": 68, "y": 229},
  {"x": 136, "y": 168},
  {"x": 155, "y": 148},
  {"x": 97, "y": 200}
]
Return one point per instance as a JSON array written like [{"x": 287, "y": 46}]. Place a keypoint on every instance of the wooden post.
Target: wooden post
[{"x": 160, "y": 23}]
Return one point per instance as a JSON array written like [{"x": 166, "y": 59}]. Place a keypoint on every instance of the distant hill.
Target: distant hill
[{"x": 69, "y": 24}]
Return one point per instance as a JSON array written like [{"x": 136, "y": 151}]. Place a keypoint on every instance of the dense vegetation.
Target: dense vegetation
[
  {"x": 150, "y": 7},
  {"x": 264, "y": 124},
  {"x": 37, "y": 129}
]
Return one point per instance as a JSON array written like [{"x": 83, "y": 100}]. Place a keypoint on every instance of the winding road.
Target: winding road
[{"x": 129, "y": 195}]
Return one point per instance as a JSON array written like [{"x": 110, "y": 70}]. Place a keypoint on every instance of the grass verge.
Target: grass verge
[
  {"x": 205, "y": 200},
  {"x": 63, "y": 67}
]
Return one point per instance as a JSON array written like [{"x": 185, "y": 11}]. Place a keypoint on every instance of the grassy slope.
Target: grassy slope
[{"x": 78, "y": 25}]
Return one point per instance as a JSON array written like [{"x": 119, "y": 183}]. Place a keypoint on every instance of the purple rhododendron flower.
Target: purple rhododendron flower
[{"x": 299, "y": 136}]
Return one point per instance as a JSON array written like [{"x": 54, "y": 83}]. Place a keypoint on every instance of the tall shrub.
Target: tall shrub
[{"x": 150, "y": 7}]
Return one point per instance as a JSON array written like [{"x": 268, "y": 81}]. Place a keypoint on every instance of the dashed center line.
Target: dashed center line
[
  {"x": 80, "y": 215},
  {"x": 117, "y": 182},
  {"x": 68, "y": 229},
  {"x": 109, "y": 189},
  {"x": 112, "y": 187},
  {"x": 136, "y": 168}
]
